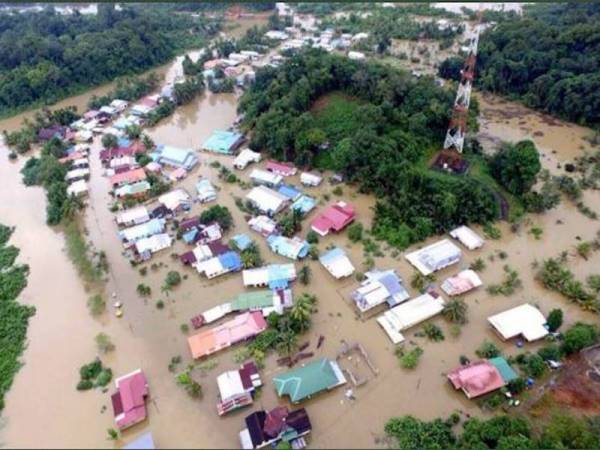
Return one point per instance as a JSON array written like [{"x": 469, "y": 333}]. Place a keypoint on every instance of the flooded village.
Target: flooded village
[{"x": 343, "y": 379}]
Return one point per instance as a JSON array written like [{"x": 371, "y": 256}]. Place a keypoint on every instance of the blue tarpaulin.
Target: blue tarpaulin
[
  {"x": 231, "y": 261},
  {"x": 190, "y": 236}
]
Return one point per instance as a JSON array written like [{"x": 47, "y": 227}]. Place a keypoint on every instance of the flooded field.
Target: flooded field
[{"x": 61, "y": 334}]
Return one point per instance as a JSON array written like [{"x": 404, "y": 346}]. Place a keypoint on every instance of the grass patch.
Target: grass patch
[
  {"x": 78, "y": 252},
  {"x": 336, "y": 115}
]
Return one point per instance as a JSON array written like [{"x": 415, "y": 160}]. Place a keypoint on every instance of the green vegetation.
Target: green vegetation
[
  {"x": 355, "y": 232},
  {"x": 433, "y": 332},
  {"x": 400, "y": 119},
  {"x": 96, "y": 304},
  {"x": 478, "y": 265},
  {"x": 104, "y": 343},
  {"x": 487, "y": 350},
  {"x": 536, "y": 232},
  {"x": 192, "y": 387},
  {"x": 144, "y": 290},
  {"x": 456, "y": 310},
  {"x": 304, "y": 275},
  {"x": 172, "y": 279},
  {"x": 80, "y": 254},
  {"x": 128, "y": 88},
  {"x": 291, "y": 223},
  {"x": 14, "y": 317},
  {"x": 554, "y": 319},
  {"x": 219, "y": 214},
  {"x": 409, "y": 359},
  {"x": 73, "y": 52},
  {"x": 516, "y": 166},
  {"x": 312, "y": 237},
  {"x": 546, "y": 60},
  {"x": 93, "y": 375},
  {"x": 579, "y": 336},
  {"x": 509, "y": 284}
]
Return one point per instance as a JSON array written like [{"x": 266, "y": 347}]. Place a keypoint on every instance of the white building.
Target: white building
[
  {"x": 265, "y": 178},
  {"x": 175, "y": 200},
  {"x": 78, "y": 188},
  {"x": 461, "y": 283},
  {"x": 147, "y": 246},
  {"x": 409, "y": 314},
  {"x": 274, "y": 275},
  {"x": 119, "y": 105},
  {"x": 276, "y": 35},
  {"x": 267, "y": 200},
  {"x": 337, "y": 263},
  {"x": 379, "y": 287},
  {"x": 206, "y": 191},
  {"x": 467, "y": 237},
  {"x": 524, "y": 320},
  {"x": 309, "y": 179},
  {"x": 133, "y": 216},
  {"x": 435, "y": 257},
  {"x": 357, "y": 56},
  {"x": 77, "y": 174},
  {"x": 246, "y": 157},
  {"x": 263, "y": 225}
]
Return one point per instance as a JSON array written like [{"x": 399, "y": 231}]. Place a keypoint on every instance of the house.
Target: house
[
  {"x": 143, "y": 442},
  {"x": 90, "y": 115},
  {"x": 289, "y": 191},
  {"x": 78, "y": 174},
  {"x": 237, "y": 387},
  {"x": 133, "y": 190},
  {"x": 313, "y": 378},
  {"x": 242, "y": 241},
  {"x": 209, "y": 233},
  {"x": 206, "y": 191},
  {"x": 131, "y": 176},
  {"x": 337, "y": 263},
  {"x": 409, "y": 314},
  {"x": 153, "y": 167},
  {"x": 335, "y": 218},
  {"x": 267, "y": 200},
  {"x": 280, "y": 168},
  {"x": 435, "y": 257},
  {"x": 147, "y": 246},
  {"x": 524, "y": 320},
  {"x": 467, "y": 237},
  {"x": 178, "y": 174},
  {"x": 276, "y": 276},
  {"x": 179, "y": 158},
  {"x": 477, "y": 378},
  {"x": 357, "y": 56},
  {"x": 133, "y": 216},
  {"x": 141, "y": 110},
  {"x": 267, "y": 301},
  {"x": 379, "y": 287},
  {"x": 45, "y": 134},
  {"x": 78, "y": 188},
  {"x": 461, "y": 283},
  {"x": 304, "y": 204},
  {"x": 129, "y": 401},
  {"x": 220, "y": 265},
  {"x": 267, "y": 429},
  {"x": 293, "y": 248},
  {"x": 119, "y": 105},
  {"x": 276, "y": 35},
  {"x": 263, "y": 225},
  {"x": 309, "y": 179},
  {"x": 262, "y": 177},
  {"x": 203, "y": 252},
  {"x": 125, "y": 161},
  {"x": 176, "y": 200},
  {"x": 246, "y": 157},
  {"x": 122, "y": 123},
  {"x": 133, "y": 234},
  {"x": 224, "y": 142},
  {"x": 250, "y": 54},
  {"x": 241, "y": 328},
  {"x": 131, "y": 149}
]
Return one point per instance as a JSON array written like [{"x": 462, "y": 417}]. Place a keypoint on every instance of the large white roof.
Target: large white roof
[
  {"x": 267, "y": 200},
  {"x": 467, "y": 237},
  {"x": 525, "y": 320},
  {"x": 134, "y": 215},
  {"x": 230, "y": 384},
  {"x": 435, "y": 256}
]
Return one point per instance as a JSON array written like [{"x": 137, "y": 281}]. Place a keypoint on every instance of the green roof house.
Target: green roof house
[
  {"x": 506, "y": 371},
  {"x": 310, "y": 379},
  {"x": 253, "y": 300}
]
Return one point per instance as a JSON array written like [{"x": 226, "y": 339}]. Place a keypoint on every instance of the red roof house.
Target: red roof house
[
  {"x": 335, "y": 218},
  {"x": 129, "y": 401},
  {"x": 131, "y": 176},
  {"x": 133, "y": 149},
  {"x": 477, "y": 378},
  {"x": 283, "y": 169}
]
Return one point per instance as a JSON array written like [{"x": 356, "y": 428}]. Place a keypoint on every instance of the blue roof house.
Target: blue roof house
[
  {"x": 242, "y": 241},
  {"x": 293, "y": 248},
  {"x": 224, "y": 142},
  {"x": 176, "y": 157},
  {"x": 304, "y": 204}
]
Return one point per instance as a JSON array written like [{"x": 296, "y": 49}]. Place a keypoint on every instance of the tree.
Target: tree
[
  {"x": 148, "y": 142},
  {"x": 113, "y": 435},
  {"x": 456, "y": 311},
  {"x": 355, "y": 232},
  {"x": 451, "y": 68},
  {"x": 555, "y": 319},
  {"x": 133, "y": 131},
  {"x": 173, "y": 279},
  {"x": 291, "y": 223},
  {"x": 312, "y": 237},
  {"x": 304, "y": 275},
  {"x": 412, "y": 433},
  {"x": 251, "y": 257},
  {"x": 219, "y": 214},
  {"x": 565, "y": 431},
  {"x": 301, "y": 312},
  {"x": 109, "y": 141},
  {"x": 579, "y": 336},
  {"x": 487, "y": 350},
  {"x": 104, "y": 343},
  {"x": 535, "y": 366},
  {"x": 144, "y": 290},
  {"x": 516, "y": 166},
  {"x": 287, "y": 343}
]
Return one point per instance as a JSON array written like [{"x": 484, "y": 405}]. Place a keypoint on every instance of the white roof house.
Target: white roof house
[
  {"x": 266, "y": 178},
  {"x": 77, "y": 174},
  {"x": 175, "y": 199},
  {"x": 143, "y": 230},
  {"x": 409, "y": 314},
  {"x": 356, "y": 55},
  {"x": 123, "y": 161},
  {"x": 277, "y": 35},
  {"x": 154, "y": 243},
  {"x": 309, "y": 179},
  {"x": 267, "y": 200},
  {"x": 379, "y": 287},
  {"x": 274, "y": 275},
  {"x": 77, "y": 188},
  {"x": 337, "y": 263},
  {"x": 435, "y": 257},
  {"x": 206, "y": 191},
  {"x": 80, "y": 163},
  {"x": 263, "y": 225},
  {"x": 524, "y": 320},
  {"x": 119, "y": 105},
  {"x": 461, "y": 283},
  {"x": 467, "y": 237},
  {"x": 133, "y": 216},
  {"x": 246, "y": 157}
]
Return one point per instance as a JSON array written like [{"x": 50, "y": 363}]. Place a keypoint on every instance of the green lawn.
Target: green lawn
[{"x": 335, "y": 115}]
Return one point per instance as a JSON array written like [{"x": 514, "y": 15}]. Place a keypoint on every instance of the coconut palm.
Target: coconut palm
[
  {"x": 301, "y": 311},
  {"x": 287, "y": 343},
  {"x": 456, "y": 310}
]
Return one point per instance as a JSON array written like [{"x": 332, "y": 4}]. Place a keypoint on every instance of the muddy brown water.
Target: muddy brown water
[{"x": 60, "y": 336}]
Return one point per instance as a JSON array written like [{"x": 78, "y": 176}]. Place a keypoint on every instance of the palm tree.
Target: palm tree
[
  {"x": 456, "y": 311},
  {"x": 304, "y": 275},
  {"x": 302, "y": 310},
  {"x": 287, "y": 343}
]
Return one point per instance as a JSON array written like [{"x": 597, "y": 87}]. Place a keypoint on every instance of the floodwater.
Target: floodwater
[{"x": 61, "y": 334}]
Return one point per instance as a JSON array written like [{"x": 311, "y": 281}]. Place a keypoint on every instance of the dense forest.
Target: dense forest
[
  {"x": 549, "y": 59},
  {"x": 45, "y": 56},
  {"x": 379, "y": 137}
]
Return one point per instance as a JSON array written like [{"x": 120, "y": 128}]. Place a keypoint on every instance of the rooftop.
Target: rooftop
[{"x": 308, "y": 380}]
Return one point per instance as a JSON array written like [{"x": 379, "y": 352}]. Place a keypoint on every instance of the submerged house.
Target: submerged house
[
  {"x": 289, "y": 191},
  {"x": 337, "y": 263},
  {"x": 265, "y": 429},
  {"x": 133, "y": 234},
  {"x": 176, "y": 201},
  {"x": 267, "y": 200},
  {"x": 461, "y": 283},
  {"x": 78, "y": 188},
  {"x": 276, "y": 276},
  {"x": 237, "y": 387},
  {"x": 220, "y": 265},
  {"x": 467, "y": 237},
  {"x": 238, "y": 329},
  {"x": 435, "y": 257},
  {"x": 147, "y": 246},
  {"x": 293, "y": 248},
  {"x": 477, "y": 378},
  {"x": 206, "y": 191},
  {"x": 143, "y": 442},
  {"x": 242, "y": 241},
  {"x": 262, "y": 177},
  {"x": 310, "y": 179},
  {"x": 129, "y": 401},
  {"x": 263, "y": 225},
  {"x": 280, "y": 168},
  {"x": 379, "y": 287},
  {"x": 524, "y": 320},
  {"x": 313, "y": 378},
  {"x": 133, "y": 216},
  {"x": 409, "y": 314},
  {"x": 133, "y": 190},
  {"x": 245, "y": 158},
  {"x": 131, "y": 176},
  {"x": 304, "y": 204},
  {"x": 335, "y": 218},
  {"x": 180, "y": 158},
  {"x": 224, "y": 142}
]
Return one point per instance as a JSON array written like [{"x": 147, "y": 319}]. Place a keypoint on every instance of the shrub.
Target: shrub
[
  {"x": 456, "y": 311},
  {"x": 517, "y": 385},
  {"x": 478, "y": 265},
  {"x": 555, "y": 319},
  {"x": 84, "y": 385},
  {"x": 338, "y": 191},
  {"x": 160, "y": 304},
  {"x": 173, "y": 279},
  {"x": 90, "y": 371},
  {"x": 579, "y": 336},
  {"x": 410, "y": 359},
  {"x": 312, "y": 237},
  {"x": 487, "y": 350},
  {"x": 96, "y": 305},
  {"x": 491, "y": 231},
  {"x": 433, "y": 332},
  {"x": 536, "y": 232},
  {"x": 104, "y": 343},
  {"x": 355, "y": 232},
  {"x": 144, "y": 290},
  {"x": 104, "y": 377},
  {"x": 304, "y": 275}
]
